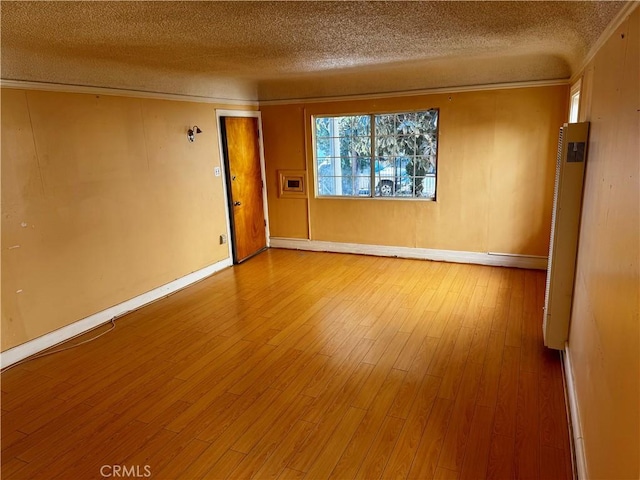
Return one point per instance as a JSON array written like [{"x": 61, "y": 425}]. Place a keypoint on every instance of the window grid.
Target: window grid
[{"x": 404, "y": 163}]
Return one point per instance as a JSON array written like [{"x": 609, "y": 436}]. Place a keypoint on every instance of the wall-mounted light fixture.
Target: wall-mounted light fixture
[{"x": 191, "y": 133}]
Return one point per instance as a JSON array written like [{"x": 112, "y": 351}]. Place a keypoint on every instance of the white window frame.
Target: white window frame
[{"x": 372, "y": 195}]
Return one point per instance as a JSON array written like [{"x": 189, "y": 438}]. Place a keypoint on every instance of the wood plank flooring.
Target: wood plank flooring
[{"x": 304, "y": 365}]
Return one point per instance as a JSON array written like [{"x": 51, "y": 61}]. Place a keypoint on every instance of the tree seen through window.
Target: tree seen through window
[{"x": 403, "y": 156}]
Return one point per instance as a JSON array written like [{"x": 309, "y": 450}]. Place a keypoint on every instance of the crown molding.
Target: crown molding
[
  {"x": 121, "y": 92},
  {"x": 426, "y": 91},
  {"x": 621, "y": 16}
]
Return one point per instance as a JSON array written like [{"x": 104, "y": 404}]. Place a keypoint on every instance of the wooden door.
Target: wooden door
[{"x": 240, "y": 136}]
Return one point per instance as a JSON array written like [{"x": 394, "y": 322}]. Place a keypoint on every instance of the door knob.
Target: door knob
[{"x": 236, "y": 204}]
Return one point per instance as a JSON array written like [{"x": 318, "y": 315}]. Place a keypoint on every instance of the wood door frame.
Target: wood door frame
[{"x": 223, "y": 167}]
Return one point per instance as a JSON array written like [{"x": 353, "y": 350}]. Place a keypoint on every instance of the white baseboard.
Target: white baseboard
[
  {"x": 63, "y": 334},
  {"x": 492, "y": 259},
  {"x": 576, "y": 428}
]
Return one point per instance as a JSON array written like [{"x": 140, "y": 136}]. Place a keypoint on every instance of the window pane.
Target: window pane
[
  {"x": 404, "y": 166},
  {"x": 426, "y": 144},
  {"x": 404, "y": 172},
  {"x": 345, "y": 166},
  {"x": 385, "y": 186},
  {"x": 406, "y": 124},
  {"x": 329, "y": 185},
  {"x": 385, "y": 171},
  {"x": 392, "y": 179},
  {"x": 425, "y": 187},
  {"x": 417, "y": 186},
  {"x": 363, "y": 186},
  {"x": 405, "y": 148},
  {"x": 323, "y": 147},
  {"x": 353, "y": 125},
  {"x": 343, "y": 154},
  {"x": 385, "y": 125},
  {"x": 362, "y": 166},
  {"x": 328, "y": 166},
  {"x": 575, "y": 106},
  {"x": 355, "y": 146},
  {"x": 406, "y": 145},
  {"x": 384, "y": 166},
  {"x": 322, "y": 127},
  {"x": 427, "y": 122},
  {"x": 347, "y": 185},
  {"x": 363, "y": 126},
  {"x": 422, "y": 166},
  {"x": 354, "y": 166},
  {"x": 385, "y": 145}
]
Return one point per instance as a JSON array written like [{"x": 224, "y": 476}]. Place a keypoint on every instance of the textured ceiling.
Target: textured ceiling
[{"x": 296, "y": 49}]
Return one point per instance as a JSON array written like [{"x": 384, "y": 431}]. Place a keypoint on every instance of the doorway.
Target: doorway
[{"x": 244, "y": 180}]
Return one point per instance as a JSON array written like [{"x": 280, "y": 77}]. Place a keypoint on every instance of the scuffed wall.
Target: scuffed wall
[
  {"x": 103, "y": 199},
  {"x": 604, "y": 337}
]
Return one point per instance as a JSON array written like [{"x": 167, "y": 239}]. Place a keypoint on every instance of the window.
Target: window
[
  {"x": 575, "y": 104},
  {"x": 574, "y": 107},
  {"x": 377, "y": 155}
]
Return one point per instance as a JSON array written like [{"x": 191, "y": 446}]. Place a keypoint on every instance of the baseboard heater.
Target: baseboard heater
[{"x": 565, "y": 228}]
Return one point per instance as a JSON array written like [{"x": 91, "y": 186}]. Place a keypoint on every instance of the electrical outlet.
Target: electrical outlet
[
  {"x": 216, "y": 171},
  {"x": 223, "y": 239}
]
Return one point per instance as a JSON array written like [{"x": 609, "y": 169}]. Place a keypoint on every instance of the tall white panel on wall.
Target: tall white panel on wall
[{"x": 565, "y": 226}]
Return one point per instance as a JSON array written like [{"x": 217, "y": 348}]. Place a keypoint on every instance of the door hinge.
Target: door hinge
[{"x": 265, "y": 223}]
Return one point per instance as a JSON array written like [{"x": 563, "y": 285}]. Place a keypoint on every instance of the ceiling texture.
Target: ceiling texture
[{"x": 281, "y": 50}]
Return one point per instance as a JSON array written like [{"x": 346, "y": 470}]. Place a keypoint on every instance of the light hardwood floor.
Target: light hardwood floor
[{"x": 305, "y": 365}]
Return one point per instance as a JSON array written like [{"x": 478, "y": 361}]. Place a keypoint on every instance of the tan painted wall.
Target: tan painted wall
[
  {"x": 496, "y": 165},
  {"x": 103, "y": 199},
  {"x": 605, "y": 335},
  {"x": 283, "y": 136}
]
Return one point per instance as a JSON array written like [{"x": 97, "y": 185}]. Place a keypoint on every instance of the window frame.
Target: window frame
[{"x": 372, "y": 175}]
